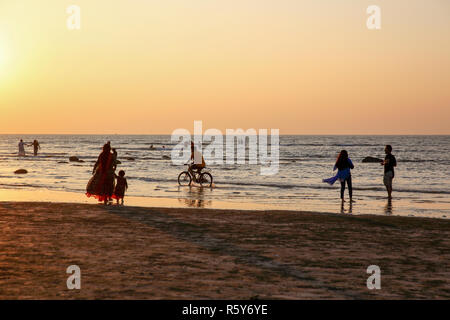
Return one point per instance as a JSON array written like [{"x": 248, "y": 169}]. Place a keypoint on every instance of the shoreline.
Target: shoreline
[
  {"x": 188, "y": 253},
  {"x": 378, "y": 207},
  {"x": 236, "y": 210}
]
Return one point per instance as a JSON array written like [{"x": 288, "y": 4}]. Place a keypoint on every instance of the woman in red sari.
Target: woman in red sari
[{"x": 101, "y": 185}]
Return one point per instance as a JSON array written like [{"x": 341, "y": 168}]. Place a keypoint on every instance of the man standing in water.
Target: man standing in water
[{"x": 389, "y": 163}]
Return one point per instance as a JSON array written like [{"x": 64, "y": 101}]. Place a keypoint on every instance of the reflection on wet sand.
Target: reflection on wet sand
[
  {"x": 350, "y": 207},
  {"x": 196, "y": 198},
  {"x": 388, "y": 207},
  {"x": 204, "y": 198}
]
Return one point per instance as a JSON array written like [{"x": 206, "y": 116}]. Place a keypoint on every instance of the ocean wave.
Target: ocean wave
[
  {"x": 147, "y": 149},
  {"x": 147, "y": 179},
  {"x": 353, "y": 145},
  {"x": 325, "y": 186},
  {"x": 437, "y": 161},
  {"x": 21, "y": 185}
]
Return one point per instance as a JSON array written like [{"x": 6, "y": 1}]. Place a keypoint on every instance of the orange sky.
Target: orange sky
[{"x": 306, "y": 67}]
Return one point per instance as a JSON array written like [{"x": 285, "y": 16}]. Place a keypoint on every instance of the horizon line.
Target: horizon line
[{"x": 284, "y": 134}]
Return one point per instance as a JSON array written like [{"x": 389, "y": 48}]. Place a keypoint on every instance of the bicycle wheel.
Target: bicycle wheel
[
  {"x": 206, "y": 179},
  {"x": 184, "y": 179}
]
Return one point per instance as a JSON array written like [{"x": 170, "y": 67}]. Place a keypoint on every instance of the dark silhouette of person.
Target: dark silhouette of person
[
  {"x": 101, "y": 185},
  {"x": 198, "y": 163},
  {"x": 21, "y": 148},
  {"x": 389, "y": 163},
  {"x": 36, "y": 147},
  {"x": 344, "y": 165},
  {"x": 121, "y": 187}
]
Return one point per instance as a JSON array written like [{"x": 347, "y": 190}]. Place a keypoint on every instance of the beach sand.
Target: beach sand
[{"x": 183, "y": 253}]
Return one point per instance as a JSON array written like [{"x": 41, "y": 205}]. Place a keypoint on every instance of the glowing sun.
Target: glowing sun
[
  {"x": 3, "y": 53},
  {"x": 3, "y": 56}
]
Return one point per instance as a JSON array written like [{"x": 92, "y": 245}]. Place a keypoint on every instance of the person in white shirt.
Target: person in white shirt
[
  {"x": 21, "y": 148},
  {"x": 197, "y": 164}
]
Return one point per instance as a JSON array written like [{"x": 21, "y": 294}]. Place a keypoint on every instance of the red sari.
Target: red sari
[{"x": 101, "y": 185}]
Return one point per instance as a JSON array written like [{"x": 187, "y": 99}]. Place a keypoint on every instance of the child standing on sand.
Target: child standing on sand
[{"x": 121, "y": 186}]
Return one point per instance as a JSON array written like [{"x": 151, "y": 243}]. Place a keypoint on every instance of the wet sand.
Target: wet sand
[
  {"x": 196, "y": 197},
  {"x": 183, "y": 253}
]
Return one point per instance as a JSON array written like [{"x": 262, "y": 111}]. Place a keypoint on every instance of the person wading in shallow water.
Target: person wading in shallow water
[
  {"x": 36, "y": 147},
  {"x": 389, "y": 163},
  {"x": 21, "y": 148},
  {"x": 344, "y": 165}
]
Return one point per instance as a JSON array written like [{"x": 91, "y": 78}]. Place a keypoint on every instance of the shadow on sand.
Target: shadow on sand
[{"x": 205, "y": 239}]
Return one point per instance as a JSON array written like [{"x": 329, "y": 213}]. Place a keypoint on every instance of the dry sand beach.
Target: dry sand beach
[{"x": 164, "y": 253}]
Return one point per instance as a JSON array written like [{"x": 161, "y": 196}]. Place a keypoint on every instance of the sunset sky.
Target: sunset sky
[{"x": 149, "y": 67}]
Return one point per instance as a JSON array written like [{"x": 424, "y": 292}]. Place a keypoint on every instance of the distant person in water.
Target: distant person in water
[
  {"x": 21, "y": 148},
  {"x": 344, "y": 164},
  {"x": 121, "y": 186},
  {"x": 101, "y": 185},
  {"x": 115, "y": 161},
  {"x": 36, "y": 147},
  {"x": 389, "y": 163}
]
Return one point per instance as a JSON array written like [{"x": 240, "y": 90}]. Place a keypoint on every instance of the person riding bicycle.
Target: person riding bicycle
[{"x": 198, "y": 163}]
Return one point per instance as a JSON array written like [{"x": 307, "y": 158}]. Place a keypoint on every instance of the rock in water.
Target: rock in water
[
  {"x": 74, "y": 159},
  {"x": 371, "y": 160},
  {"x": 21, "y": 171}
]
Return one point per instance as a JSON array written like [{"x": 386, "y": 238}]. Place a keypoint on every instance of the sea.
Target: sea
[{"x": 421, "y": 184}]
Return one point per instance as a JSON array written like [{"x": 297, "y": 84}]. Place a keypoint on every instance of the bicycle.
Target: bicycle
[{"x": 185, "y": 178}]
